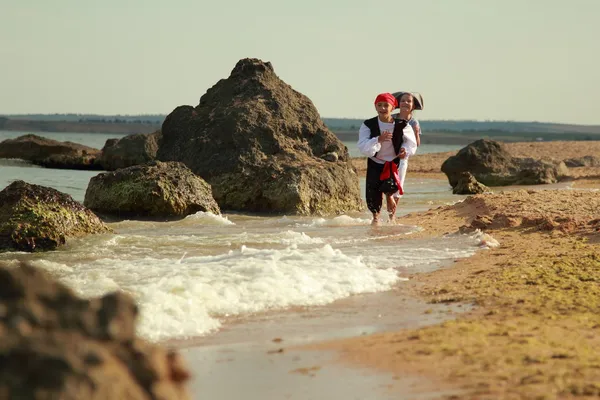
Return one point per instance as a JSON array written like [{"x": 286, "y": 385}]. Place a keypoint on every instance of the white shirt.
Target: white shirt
[{"x": 370, "y": 146}]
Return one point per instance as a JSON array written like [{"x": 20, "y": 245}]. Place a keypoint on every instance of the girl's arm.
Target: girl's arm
[
  {"x": 409, "y": 142},
  {"x": 366, "y": 145},
  {"x": 417, "y": 129}
]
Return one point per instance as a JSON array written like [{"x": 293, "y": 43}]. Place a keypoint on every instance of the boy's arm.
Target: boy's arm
[{"x": 367, "y": 145}]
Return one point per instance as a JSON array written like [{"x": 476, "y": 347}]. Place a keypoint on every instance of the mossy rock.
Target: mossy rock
[
  {"x": 38, "y": 218},
  {"x": 155, "y": 189},
  {"x": 262, "y": 146},
  {"x": 492, "y": 165},
  {"x": 313, "y": 188},
  {"x": 136, "y": 149}
]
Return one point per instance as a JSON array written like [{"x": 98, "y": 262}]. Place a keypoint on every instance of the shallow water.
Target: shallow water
[{"x": 190, "y": 275}]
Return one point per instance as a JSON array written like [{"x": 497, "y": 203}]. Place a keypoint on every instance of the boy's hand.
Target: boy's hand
[
  {"x": 385, "y": 135},
  {"x": 402, "y": 153}
]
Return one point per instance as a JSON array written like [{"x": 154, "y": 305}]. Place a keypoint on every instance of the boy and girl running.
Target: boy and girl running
[{"x": 388, "y": 141}]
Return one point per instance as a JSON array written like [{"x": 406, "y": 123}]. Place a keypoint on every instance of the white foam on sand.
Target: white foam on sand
[{"x": 485, "y": 240}]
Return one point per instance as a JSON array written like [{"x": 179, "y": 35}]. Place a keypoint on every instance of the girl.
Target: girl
[
  {"x": 407, "y": 103},
  {"x": 385, "y": 141}
]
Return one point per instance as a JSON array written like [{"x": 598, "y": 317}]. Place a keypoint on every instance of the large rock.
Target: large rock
[
  {"x": 156, "y": 189},
  {"x": 38, "y": 218},
  {"x": 55, "y": 345},
  {"x": 492, "y": 165},
  {"x": 130, "y": 150},
  {"x": 50, "y": 153},
  {"x": 262, "y": 146}
]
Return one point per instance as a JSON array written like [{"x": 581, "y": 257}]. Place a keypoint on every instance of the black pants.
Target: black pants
[{"x": 373, "y": 195}]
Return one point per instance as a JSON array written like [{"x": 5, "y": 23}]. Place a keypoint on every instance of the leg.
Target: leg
[
  {"x": 372, "y": 194},
  {"x": 392, "y": 198},
  {"x": 391, "y": 206},
  {"x": 402, "y": 167}
]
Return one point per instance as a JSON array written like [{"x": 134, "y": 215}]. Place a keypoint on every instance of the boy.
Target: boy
[{"x": 384, "y": 141}]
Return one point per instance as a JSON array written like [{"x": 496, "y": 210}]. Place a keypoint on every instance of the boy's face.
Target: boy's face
[{"x": 384, "y": 108}]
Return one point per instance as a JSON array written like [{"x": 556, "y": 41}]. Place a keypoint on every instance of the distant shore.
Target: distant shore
[
  {"x": 29, "y": 126},
  {"x": 436, "y": 132}
]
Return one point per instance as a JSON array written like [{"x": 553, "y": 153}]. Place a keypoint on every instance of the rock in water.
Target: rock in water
[
  {"x": 130, "y": 150},
  {"x": 155, "y": 189},
  {"x": 262, "y": 146},
  {"x": 50, "y": 153},
  {"x": 38, "y": 218},
  {"x": 55, "y": 345}
]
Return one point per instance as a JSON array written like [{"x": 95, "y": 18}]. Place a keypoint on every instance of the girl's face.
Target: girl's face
[
  {"x": 384, "y": 108},
  {"x": 407, "y": 102}
]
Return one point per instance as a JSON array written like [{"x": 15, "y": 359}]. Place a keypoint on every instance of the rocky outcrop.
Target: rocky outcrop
[
  {"x": 50, "y": 153},
  {"x": 156, "y": 189},
  {"x": 38, "y": 218},
  {"x": 130, "y": 150},
  {"x": 585, "y": 161},
  {"x": 55, "y": 345},
  {"x": 570, "y": 212},
  {"x": 467, "y": 184},
  {"x": 491, "y": 164},
  {"x": 262, "y": 146}
]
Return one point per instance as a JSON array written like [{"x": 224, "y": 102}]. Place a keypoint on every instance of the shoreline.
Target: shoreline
[
  {"x": 531, "y": 333},
  {"x": 534, "y": 330},
  {"x": 266, "y": 357}
]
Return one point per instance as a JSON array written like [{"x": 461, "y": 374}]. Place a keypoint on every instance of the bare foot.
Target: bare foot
[{"x": 376, "y": 221}]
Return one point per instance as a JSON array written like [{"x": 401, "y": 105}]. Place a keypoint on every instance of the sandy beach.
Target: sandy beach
[
  {"x": 519, "y": 320},
  {"x": 533, "y": 330}
]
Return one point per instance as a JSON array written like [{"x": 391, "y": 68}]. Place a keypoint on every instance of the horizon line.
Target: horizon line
[{"x": 342, "y": 118}]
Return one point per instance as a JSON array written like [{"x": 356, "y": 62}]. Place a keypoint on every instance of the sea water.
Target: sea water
[{"x": 190, "y": 275}]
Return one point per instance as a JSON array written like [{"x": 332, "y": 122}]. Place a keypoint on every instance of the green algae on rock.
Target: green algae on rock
[
  {"x": 38, "y": 218},
  {"x": 155, "y": 189}
]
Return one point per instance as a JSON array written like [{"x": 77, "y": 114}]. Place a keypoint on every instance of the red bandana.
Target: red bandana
[{"x": 386, "y": 98}]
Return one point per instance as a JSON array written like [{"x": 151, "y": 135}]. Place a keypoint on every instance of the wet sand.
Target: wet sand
[{"x": 263, "y": 354}]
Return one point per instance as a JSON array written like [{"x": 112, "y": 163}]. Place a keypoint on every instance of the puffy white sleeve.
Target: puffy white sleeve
[
  {"x": 366, "y": 145},
  {"x": 416, "y": 126},
  {"x": 409, "y": 141}
]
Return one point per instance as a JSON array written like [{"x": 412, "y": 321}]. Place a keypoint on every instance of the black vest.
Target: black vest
[{"x": 397, "y": 136}]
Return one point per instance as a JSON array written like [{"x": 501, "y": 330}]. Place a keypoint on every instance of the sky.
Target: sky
[{"x": 521, "y": 60}]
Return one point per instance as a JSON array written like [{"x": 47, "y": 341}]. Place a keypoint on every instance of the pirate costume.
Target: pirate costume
[{"x": 383, "y": 157}]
